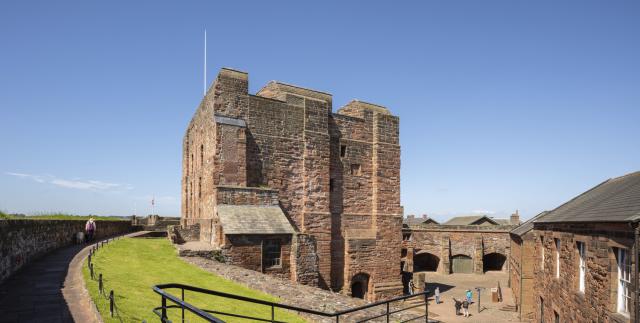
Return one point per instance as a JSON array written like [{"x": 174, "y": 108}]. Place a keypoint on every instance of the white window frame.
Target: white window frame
[
  {"x": 624, "y": 281},
  {"x": 582, "y": 265},
  {"x": 557, "y": 241},
  {"x": 542, "y": 254}
]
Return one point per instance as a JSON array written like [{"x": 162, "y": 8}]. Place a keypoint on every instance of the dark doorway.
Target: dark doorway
[
  {"x": 359, "y": 285},
  {"x": 493, "y": 261},
  {"x": 461, "y": 264},
  {"x": 425, "y": 262}
]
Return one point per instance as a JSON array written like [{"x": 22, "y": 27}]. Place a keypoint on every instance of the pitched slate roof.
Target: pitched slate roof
[
  {"x": 469, "y": 220},
  {"x": 614, "y": 200},
  {"x": 527, "y": 225},
  {"x": 249, "y": 219},
  {"x": 418, "y": 220}
]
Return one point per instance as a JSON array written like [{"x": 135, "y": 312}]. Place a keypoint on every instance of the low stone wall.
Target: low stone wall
[
  {"x": 179, "y": 234},
  {"x": 22, "y": 241}
]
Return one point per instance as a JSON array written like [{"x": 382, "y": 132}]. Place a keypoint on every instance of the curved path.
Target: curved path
[{"x": 50, "y": 289}]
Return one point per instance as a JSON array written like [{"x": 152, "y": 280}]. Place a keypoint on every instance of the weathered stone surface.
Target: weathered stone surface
[
  {"x": 334, "y": 175},
  {"x": 295, "y": 294},
  {"x": 22, "y": 241},
  {"x": 561, "y": 294}
]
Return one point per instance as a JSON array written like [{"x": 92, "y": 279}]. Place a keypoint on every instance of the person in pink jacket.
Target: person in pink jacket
[{"x": 90, "y": 229}]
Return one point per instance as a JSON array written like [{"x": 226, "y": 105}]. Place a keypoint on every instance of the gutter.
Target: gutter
[{"x": 521, "y": 281}]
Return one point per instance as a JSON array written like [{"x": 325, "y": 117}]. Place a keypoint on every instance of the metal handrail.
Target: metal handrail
[{"x": 161, "y": 311}]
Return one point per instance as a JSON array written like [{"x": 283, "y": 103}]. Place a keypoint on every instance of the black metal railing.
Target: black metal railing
[
  {"x": 180, "y": 303},
  {"x": 102, "y": 293}
]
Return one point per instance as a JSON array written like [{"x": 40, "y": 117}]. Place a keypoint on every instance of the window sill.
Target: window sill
[{"x": 619, "y": 318}]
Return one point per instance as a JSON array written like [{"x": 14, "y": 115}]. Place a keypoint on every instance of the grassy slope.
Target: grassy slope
[
  {"x": 60, "y": 216},
  {"x": 131, "y": 266}
]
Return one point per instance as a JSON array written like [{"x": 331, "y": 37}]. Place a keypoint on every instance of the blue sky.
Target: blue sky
[{"x": 503, "y": 105}]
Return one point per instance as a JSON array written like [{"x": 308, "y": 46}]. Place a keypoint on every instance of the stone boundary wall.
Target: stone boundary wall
[
  {"x": 22, "y": 241},
  {"x": 178, "y": 234}
]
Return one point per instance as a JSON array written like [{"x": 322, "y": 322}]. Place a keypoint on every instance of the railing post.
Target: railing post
[
  {"x": 100, "y": 287},
  {"x": 426, "y": 305},
  {"x": 273, "y": 314},
  {"x": 388, "y": 312},
  {"x": 91, "y": 271},
  {"x": 338, "y": 318},
  {"x": 111, "y": 300},
  {"x": 164, "y": 309},
  {"x": 182, "y": 305}
]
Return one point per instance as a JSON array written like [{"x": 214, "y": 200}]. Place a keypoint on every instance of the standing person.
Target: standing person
[
  {"x": 90, "y": 229},
  {"x": 465, "y": 308},
  {"x": 437, "y": 293},
  {"x": 412, "y": 287},
  {"x": 469, "y": 295},
  {"x": 458, "y": 305}
]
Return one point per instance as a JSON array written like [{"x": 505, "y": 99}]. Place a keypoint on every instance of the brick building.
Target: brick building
[
  {"x": 522, "y": 259},
  {"x": 585, "y": 267},
  {"x": 281, "y": 184},
  {"x": 465, "y": 244}
]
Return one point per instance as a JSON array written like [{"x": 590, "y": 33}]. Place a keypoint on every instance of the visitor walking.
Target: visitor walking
[
  {"x": 457, "y": 304},
  {"x": 465, "y": 308},
  {"x": 469, "y": 295},
  {"x": 412, "y": 287},
  {"x": 90, "y": 229},
  {"x": 437, "y": 293}
]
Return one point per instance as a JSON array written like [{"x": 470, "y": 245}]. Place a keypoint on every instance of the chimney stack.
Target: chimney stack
[
  {"x": 411, "y": 216},
  {"x": 424, "y": 216},
  {"x": 515, "y": 218}
]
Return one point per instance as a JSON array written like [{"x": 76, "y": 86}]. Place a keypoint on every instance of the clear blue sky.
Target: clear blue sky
[{"x": 503, "y": 105}]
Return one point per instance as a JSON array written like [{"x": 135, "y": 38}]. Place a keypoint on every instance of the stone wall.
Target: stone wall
[
  {"x": 329, "y": 172},
  {"x": 561, "y": 295},
  {"x": 305, "y": 262},
  {"x": 445, "y": 242},
  {"x": 521, "y": 274},
  {"x": 22, "y": 241},
  {"x": 181, "y": 234},
  {"x": 246, "y": 251}
]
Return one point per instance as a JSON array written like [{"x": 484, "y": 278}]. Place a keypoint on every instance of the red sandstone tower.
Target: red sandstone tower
[{"x": 281, "y": 184}]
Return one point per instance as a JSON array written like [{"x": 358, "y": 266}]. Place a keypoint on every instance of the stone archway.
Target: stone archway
[
  {"x": 425, "y": 262},
  {"x": 494, "y": 261},
  {"x": 360, "y": 285}
]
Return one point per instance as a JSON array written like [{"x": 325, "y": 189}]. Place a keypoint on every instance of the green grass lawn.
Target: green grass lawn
[
  {"x": 131, "y": 266},
  {"x": 59, "y": 216}
]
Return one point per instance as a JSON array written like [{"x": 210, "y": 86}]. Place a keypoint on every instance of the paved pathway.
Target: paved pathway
[
  {"x": 50, "y": 289},
  {"x": 34, "y": 293},
  {"x": 291, "y": 293},
  {"x": 455, "y": 285}
]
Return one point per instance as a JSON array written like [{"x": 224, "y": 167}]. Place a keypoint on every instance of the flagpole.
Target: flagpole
[{"x": 205, "y": 63}]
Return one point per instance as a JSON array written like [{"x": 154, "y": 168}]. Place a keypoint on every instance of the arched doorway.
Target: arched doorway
[
  {"x": 360, "y": 285},
  {"x": 493, "y": 261},
  {"x": 461, "y": 264},
  {"x": 425, "y": 262}
]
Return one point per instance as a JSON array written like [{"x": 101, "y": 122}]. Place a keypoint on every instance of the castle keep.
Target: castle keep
[{"x": 280, "y": 184}]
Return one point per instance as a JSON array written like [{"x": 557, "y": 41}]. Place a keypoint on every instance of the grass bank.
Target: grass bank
[
  {"x": 131, "y": 266},
  {"x": 59, "y": 216}
]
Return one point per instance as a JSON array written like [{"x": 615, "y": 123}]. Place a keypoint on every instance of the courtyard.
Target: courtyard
[{"x": 455, "y": 285}]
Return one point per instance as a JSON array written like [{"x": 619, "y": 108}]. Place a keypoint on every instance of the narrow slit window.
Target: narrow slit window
[
  {"x": 542, "y": 253},
  {"x": 356, "y": 169},
  {"x": 582, "y": 265},
  {"x": 331, "y": 185},
  {"x": 557, "y": 242},
  {"x": 343, "y": 150}
]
